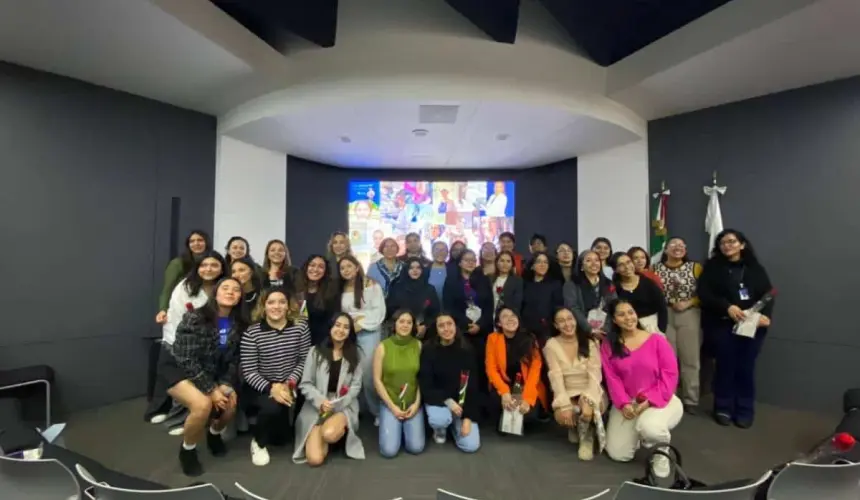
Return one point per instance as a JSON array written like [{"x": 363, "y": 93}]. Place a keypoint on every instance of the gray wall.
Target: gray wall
[
  {"x": 545, "y": 200},
  {"x": 88, "y": 176},
  {"x": 791, "y": 162}
]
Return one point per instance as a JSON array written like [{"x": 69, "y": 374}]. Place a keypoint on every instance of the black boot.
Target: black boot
[{"x": 189, "y": 462}]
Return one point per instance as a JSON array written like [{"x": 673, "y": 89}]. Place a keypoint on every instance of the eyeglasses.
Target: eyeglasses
[
  {"x": 728, "y": 243},
  {"x": 679, "y": 246}
]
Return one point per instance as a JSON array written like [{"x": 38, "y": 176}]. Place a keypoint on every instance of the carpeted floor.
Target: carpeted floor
[{"x": 540, "y": 465}]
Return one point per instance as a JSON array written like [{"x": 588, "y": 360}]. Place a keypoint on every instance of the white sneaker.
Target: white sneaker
[
  {"x": 440, "y": 436},
  {"x": 177, "y": 431},
  {"x": 259, "y": 455},
  {"x": 376, "y": 422},
  {"x": 157, "y": 419},
  {"x": 661, "y": 466}
]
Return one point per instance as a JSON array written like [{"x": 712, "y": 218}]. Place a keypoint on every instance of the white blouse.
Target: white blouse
[
  {"x": 372, "y": 306},
  {"x": 177, "y": 308}
]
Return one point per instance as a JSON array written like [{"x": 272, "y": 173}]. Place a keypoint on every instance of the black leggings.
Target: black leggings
[{"x": 274, "y": 423}]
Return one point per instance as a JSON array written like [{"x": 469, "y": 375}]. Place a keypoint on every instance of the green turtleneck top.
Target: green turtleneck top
[{"x": 399, "y": 367}]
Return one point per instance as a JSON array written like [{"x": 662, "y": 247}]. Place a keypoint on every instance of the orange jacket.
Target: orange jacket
[{"x": 496, "y": 361}]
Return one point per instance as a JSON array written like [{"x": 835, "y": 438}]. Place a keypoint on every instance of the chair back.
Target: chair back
[
  {"x": 833, "y": 482},
  {"x": 37, "y": 480},
  {"x": 247, "y": 493},
  {"x": 634, "y": 491},
  {"x": 447, "y": 495},
  {"x": 103, "y": 491}
]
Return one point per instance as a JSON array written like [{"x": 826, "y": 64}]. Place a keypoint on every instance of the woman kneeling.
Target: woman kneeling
[
  {"x": 395, "y": 377},
  {"x": 449, "y": 385},
  {"x": 330, "y": 384},
  {"x": 642, "y": 376},
  {"x": 573, "y": 361},
  {"x": 203, "y": 372}
]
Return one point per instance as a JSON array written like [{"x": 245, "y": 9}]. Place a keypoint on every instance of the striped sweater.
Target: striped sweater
[{"x": 271, "y": 356}]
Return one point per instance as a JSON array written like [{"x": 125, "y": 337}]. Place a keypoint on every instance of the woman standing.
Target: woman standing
[
  {"x": 385, "y": 270},
  {"x": 642, "y": 264},
  {"x": 201, "y": 371},
  {"x": 641, "y": 376},
  {"x": 319, "y": 295},
  {"x": 395, "y": 377},
  {"x": 330, "y": 384},
  {"x": 414, "y": 249},
  {"x": 731, "y": 282},
  {"x": 573, "y": 360},
  {"x": 338, "y": 247},
  {"x": 363, "y": 300},
  {"x": 273, "y": 357},
  {"x": 457, "y": 250},
  {"x": 506, "y": 285},
  {"x": 565, "y": 255},
  {"x": 542, "y": 295},
  {"x": 245, "y": 271},
  {"x": 438, "y": 269},
  {"x": 603, "y": 247},
  {"x": 512, "y": 355},
  {"x": 237, "y": 248},
  {"x": 488, "y": 258},
  {"x": 588, "y": 294},
  {"x": 412, "y": 293},
  {"x": 643, "y": 294},
  {"x": 277, "y": 268},
  {"x": 196, "y": 245},
  {"x": 449, "y": 385},
  {"x": 679, "y": 276}
]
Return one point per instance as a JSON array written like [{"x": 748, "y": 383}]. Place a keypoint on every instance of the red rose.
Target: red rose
[
  {"x": 844, "y": 441},
  {"x": 611, "y": 288},
  {"x": 543, "y": 321},
  {"x": 427, "y": 303},
  {"x": 641, "y": 398},
  {"x": 520, "y": 378},
  {"x": 291, "y": 384},
  {"x": 464, "y": 378},
  {"x": 189, "y": 306},
  {"x": 498, "y": 290},
  {"x": 343, "y": 391}
]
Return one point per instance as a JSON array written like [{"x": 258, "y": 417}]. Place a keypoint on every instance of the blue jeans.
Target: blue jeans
[
  {"x": 393, "y": 432},
  {"x": 734, "y": 374},
  {"x": 367, "y": 342},
  {"x": 440, "y": 419}
]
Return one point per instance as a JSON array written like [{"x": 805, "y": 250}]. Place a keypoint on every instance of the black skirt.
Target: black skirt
[{"x": 169, "y": 371}]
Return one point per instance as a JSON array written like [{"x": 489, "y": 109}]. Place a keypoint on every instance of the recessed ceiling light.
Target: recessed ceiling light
[
  {"x": 344, "y": 139},
  {"x": 420, "y": 132},
  {"x": 502, "y": 137}
]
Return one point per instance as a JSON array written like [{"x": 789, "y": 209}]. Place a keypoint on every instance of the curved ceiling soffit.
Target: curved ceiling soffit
[{"x": 429, "y": 88}]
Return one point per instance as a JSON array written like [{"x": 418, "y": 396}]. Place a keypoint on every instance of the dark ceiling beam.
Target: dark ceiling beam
[
  {"x": 273, "y": 21},
  {"x": 496, "y": 18},
  {"x": 610, "y": 30}
]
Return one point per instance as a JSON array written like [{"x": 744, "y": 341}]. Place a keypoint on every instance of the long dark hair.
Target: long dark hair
[
  {"x": 513, "y": 270},
  {"x": 325, "y": 349},
  {"x": 614, "y": 335},
  {"x": 451, "y": 256},
  {"x": 552, "y": 269},
  {"x": 748, "y": 255},
  {"x": 256, "y": 279},
  {"x": 578, "y": 273},
  {"x": 325, "y": 288},
  {"x": 583, "y": 338},
  {"x": 523, "y": 342},
  {"x": 209, "y": 310},
  {"x": 632, "y": 251},
  {"x": 601, "y": 239},
  {"x": 227, "y": 256},
  {"x": 267, "y": 264},
  {"x": 357, "y": 282},
  {"x": 434, "y": 341},
  {"x": 193, "y": 280},
  {"x": 188, "y": 259}
]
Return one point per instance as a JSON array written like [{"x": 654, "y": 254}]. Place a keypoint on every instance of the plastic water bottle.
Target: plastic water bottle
[{"x": 833, "y": 450}]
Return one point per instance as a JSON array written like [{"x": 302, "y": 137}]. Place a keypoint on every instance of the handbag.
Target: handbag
[{"x": 680, "y": 479}]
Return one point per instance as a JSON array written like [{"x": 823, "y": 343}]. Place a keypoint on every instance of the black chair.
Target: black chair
[{"x": 29, "y": 376}]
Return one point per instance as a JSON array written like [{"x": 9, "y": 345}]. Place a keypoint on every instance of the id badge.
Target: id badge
[{"x": 744, "y": 293}]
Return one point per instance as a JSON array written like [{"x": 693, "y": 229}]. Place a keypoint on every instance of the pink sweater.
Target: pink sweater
[{"x": 651, "y": 370}]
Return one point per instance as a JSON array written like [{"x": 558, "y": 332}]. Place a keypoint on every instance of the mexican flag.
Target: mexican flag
[{"x": 658, "y": 225}]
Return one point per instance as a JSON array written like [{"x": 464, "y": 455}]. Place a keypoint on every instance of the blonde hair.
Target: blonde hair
[{"x": 259, "y": 312}]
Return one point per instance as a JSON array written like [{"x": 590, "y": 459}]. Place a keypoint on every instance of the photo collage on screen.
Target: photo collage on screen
[{"x": 473, "y": 212}]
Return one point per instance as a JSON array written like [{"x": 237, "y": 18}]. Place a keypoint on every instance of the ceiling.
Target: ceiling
[
  {"x": 815, "y": 44},
  {"x": 373, "y": 134},
  {"x": 293, "y": 78}
]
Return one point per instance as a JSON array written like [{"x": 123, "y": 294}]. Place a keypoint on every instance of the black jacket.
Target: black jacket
[
  {"x": 719, "y": 287},
  {"x": 440, "y": 373},
  {"x": 196, "y": 352},
  {"x": 540, "y": 301},
  {"x": 455, "y": 303}
]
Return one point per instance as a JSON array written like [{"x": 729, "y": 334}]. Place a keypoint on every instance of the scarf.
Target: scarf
[{"x": 388, "y": 276}]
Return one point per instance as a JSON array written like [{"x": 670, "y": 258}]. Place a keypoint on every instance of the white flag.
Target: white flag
[{"x": 714, "y": 217}]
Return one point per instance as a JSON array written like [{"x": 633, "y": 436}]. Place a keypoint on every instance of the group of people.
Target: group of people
[{"x": 451, "y": 341}]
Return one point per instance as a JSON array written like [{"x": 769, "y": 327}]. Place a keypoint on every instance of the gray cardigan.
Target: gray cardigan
[
  {"x": 314, "y": 387},
  {"x": 573, "y": 301}
]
